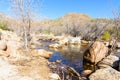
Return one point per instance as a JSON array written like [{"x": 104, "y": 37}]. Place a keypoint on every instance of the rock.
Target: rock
[
  {"x": 3, "y": 53},
  {"x": 96, "y": 53},
  {"x": 118, "y": 45},
  {"x": 111, "y": 43},
  {"x": 54, "y": 76},
  {"x": 117, "y": 53},
  {"x": 55, "y": 46},
  {"x": 9, "y": 35},
  {"x": 70, "y": 40},
  {"x": 64, "y": 41},
  {"x": 32, "y": 46},
  {"x": 42, "y": 53},
  {"x": 24, "y": 78},
  {"x": 7, "y": 70},
  {"x": 85, "y": 42},
  {"x": 12, "y": 48},
  {"x": 3, "y": 45},
  {"x": 111, "y": 60},
  {"x": 107, "y": 44},
  {"x": 105, "y": 74},
  {"x": 75, "y": 40},
  {"x": 86, "y": 72},
  {"x": 118, "y": 50},
  {"x": 3, "y": 61}
]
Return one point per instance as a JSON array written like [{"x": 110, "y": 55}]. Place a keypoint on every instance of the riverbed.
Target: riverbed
[{"x": 69, "y": 55}]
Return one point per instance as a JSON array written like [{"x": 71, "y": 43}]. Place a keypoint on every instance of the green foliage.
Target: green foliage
[
  {"x": 3, "y": 25},
  {"x": 106, "y": 36}
]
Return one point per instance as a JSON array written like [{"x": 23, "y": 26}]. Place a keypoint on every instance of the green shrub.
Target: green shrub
[
  {"x": 3, "y": 25},
  {"x": 106, "y": 36}
]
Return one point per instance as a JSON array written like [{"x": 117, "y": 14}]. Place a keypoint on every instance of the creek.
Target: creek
[{"x": 70, "y": 55}]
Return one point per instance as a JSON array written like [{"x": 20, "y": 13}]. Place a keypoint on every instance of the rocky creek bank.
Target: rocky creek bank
[
  {"x": 17, "y": 64},
  {"x": 107, "y": 64}
]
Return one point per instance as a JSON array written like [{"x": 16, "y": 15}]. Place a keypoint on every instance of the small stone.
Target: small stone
[
  {"x": 86, "y": 72},
  {"x": 54, "y": 76}
]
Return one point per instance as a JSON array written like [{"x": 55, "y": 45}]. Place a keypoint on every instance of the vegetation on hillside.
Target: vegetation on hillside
[{"x": 71, "y": 24}]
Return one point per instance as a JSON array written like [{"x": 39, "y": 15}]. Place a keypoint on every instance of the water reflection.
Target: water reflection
[{"x": 71, "y": 55}]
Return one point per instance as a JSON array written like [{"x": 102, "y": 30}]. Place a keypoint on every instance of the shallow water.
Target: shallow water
[{"x": 71, "y": 55}]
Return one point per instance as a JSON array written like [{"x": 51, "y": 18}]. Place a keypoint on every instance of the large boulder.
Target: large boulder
[
  {"x": 96, "y": 53},
  {"x": 105, "y": 74},
  {"x": 42, "y": 53},
  {"x": 109, "y": 61}
]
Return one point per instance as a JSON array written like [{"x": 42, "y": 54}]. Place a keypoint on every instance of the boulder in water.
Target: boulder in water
[{"x": 96, "y": 52}]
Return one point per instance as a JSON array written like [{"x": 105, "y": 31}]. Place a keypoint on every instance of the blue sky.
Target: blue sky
[{"x": 57, "y": 8}]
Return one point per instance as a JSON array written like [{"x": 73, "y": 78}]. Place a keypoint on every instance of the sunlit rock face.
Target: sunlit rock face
[
  {"x": 96, "y": 53},
  {"x": 105, "y": 74}
]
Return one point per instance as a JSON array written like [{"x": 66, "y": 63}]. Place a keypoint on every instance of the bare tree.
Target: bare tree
[
  {"x": 24, "y": 10},
  {"x": 93, "y": 31},
  {"x": 116, "y": 22}
]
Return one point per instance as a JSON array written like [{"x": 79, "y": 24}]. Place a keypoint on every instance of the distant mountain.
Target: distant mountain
[{"x": 71, "y": 17}]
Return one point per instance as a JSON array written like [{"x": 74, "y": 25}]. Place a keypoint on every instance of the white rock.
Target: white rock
[{"x": 54, "y": 76}]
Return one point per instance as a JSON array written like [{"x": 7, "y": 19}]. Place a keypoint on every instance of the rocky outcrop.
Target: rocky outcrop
[
  {"x": 105, "y": 74},
  {"x": 23, "y": 69},
  {"x": 10, "y": 43},
  {"x": 109, "y": 61},
  {"x": 17, "y": 64},
  {"x": 96, "y": 53}
]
